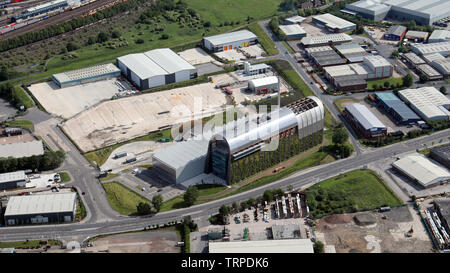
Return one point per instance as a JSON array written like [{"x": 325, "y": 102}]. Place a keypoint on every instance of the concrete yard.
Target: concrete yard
[
  {"x": 25, "y": 137},
  {"x": 231, "y": 55},
  {"x": 69, "y": 101},
  {"x": 384, "y": 234},
  {"x": 139, "y": 242},
  {"x": 197, "y": 56}
]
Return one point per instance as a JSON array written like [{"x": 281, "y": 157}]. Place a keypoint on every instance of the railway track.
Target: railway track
[{"x": 62, "y": 17}]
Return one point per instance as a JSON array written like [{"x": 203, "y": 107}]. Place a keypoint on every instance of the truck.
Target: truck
[
  {"x": 129, "y": 160},
  {"x": 119, "y": 155}
]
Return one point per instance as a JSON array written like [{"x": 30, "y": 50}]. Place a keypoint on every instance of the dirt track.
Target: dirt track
[{"x": 58, "y": 18}]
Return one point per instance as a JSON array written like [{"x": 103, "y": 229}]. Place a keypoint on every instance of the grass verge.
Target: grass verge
[
  {"x": 26, "y": 244},
  {"x": 122, "y": 199},
  {"x": 267, "y": 44},
  {"x": 21, "y": 123},
  {"x": 65, "y": 177}
]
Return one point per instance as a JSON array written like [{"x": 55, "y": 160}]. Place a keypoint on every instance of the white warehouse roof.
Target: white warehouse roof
[
  {"x": 442, "y": 47},
  {"x": 22, "y": 149},
  {"x": 427, "y": 101},
  {"x": 439, "y": 35},
  {"x": 324, "y": 39},
  {"x": 296, "y": 19},
  {"x": 87, "y": 73},
  {"x": 155, "y": 62},
  {"x": 265, "y": 246},
  {"x": 12, "y": 176},
  {"x": 263, "y": 81},
  {"x": 376, "y": 61},
  {"x": 294, "y": 29},
  {"x": 230, "y": 37},
  {"x": 332, "y": 21},
  {"x": 417, "y": 166},
  {"x": 367, "y": 119},
  {"x": 41, "y": 203}
]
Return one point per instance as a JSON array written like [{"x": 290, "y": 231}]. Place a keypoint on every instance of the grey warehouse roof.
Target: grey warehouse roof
[
  {"x": 265, "y": 246},
  {"x": 294, "y": 29},
  {"x": 396, "y": 30},
  {"x": 155, "y": 62},
  {"x": 86, "y": 73},
  {"x": 181, "y": 153},
  {"x": 397, "y": 105},
  {"x": 367, "y": 119},
  {"x": 22, "y": 149},
  {"x": 41, "y": 203},
  {"x": 230, "y": 37},
  {"x": 12, "y": 176}
]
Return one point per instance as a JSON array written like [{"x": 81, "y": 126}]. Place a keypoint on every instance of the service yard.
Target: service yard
[
  {"x": 139, "y": 242},
  {"x": 69, "y": 101},
  {"x": 197, "y": 56},
  {"x": 374, "y": 232}
]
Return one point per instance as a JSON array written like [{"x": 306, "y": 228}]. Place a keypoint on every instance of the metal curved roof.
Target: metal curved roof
[{"x": 245, "y": 135}]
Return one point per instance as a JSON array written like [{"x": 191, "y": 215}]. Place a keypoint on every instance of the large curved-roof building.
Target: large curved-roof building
[
  {"x": 237, "y": 153},
  {"x": 244, "y": 147}
]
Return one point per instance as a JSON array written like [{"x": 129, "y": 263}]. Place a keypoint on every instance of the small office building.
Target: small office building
[
  {"x": 294, "y": 20},
  {"x": 13, "y": 180},
  {"x": 270, "y": 83},
  {"x": 293, "y": 32}
]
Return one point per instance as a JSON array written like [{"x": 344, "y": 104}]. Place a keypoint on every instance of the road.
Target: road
[{"x": 103, "y": 220}]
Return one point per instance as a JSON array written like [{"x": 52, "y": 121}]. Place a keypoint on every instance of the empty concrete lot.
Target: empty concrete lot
[
  {"x": 197, "y": 56},
  {"x": 139, "y": 242},
  {"x": 380, "y": 233},
  {"x": 69, "y": 101},
  {"x": 119, "y": 120}
]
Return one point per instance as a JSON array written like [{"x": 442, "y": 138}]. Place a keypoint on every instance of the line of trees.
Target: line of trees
[
  {"x": 57, "y": 29},
  {"x": 274, "y": 25},
  {"x": 9, "y": 93},
  {"x": 144, "y": 208},
  {"x": 48, "y": 161}
]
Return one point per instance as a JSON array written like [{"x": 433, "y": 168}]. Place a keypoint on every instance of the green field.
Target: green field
[
  {"x": 65, "y": 177},
  {"x": 350, "y": 192},
  {"x": 109, "y": 176},
  {"x": 380, "y": 83},
  {"x": 26, "y": 244},
  {"x": 122, "y": 199},
  {"x": 20, "y": 123},
  {"x": 266, "y": 42},
  {"x": 27, "y": 101},
  {"x": 339, "y": 102},
  {"x": 101, "y": 155}
]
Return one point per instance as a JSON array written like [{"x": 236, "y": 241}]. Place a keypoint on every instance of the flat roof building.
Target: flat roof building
[
  {"x": 155, "y": 68},
  {"x": 442, "y": 48},
  {"x": 350, "y": 83},
  {"x": 327, "y": 58},
  {"x": 443, "y": 66},
  {"x": 337, "y": 38},
  {"x": 176, "y": 169},
  {"x": 430, "y": 72},
  {"x": 271, "y": 83},
  {"x": 441, "y": 154},
  {"x": 86, "y": 75},
  {"x": 353, "y": 52},
  {"x": 396, "y": 108},
  {"x": 231, "y": 40},
  {"x": 295, "y": 20},
  {"x": 395, "y": 32},
  {"x": 439, "y": 35},
  {"x": 293, "y": 32},
  {"x": 430, "y": 58},
  {"x": 365, "y": 121},
  {"x": 442, "y": 207},
  {"x": 424, "y": 12},
  {"x": 333, "y": 23},
  {"x": 427, "y": 102},
  {"x": 416, "y": 36},
  {"x": 22, "y": 149},
  {"x": 265, "y": 246},
  {"x": 41, "y": 208},
  {"x": 13, "y": 180},
  {"x": 422, "y": 170},
  {"x": 413, "y": 59}
]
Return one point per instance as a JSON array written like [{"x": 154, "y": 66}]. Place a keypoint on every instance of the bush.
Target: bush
[
  {"x": 318, "y": 247},
  {"x": 140, "y": 41}
]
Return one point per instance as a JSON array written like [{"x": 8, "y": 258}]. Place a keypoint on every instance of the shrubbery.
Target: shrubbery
[{"x": 48, "y": 161}]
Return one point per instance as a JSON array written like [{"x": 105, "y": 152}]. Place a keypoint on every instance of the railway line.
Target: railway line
[{"x": 62, "y": 17}]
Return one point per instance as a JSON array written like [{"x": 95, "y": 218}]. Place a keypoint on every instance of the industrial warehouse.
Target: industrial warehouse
[
  {"x": 86, "y": 75},
  {"x": 439, "y": 35},
  {"x": 423, "y": 12},
  {"x": 421, "y": 170},
  {"x": 427, "y": 102},
  {"x": 22, "y": 149},
  {"x": 422, "y": 49},
  {"x": 333, "y": 23},
  {"x": 365, "y": 121},
  {"x": 155, "y": 68},
  {"x": 228, "y": 41},
  {"x": 294, "y": 20},
  {"x": 441, "y": 154},
  {"x": 353, "y": 52},
  {"x": 323, "y": 40},
  {"x": 396, "y": 108},
  {"x": 266, "y": 85},
  {"x": 395, "y": 33},
  {"x": 41, "y": 209},
  {"x": 265, "y": 246},
  {"x": 293, "y": 31},
  {"x": 324, "y": 56},
  {"x": 13, "y": 180},
  {"x": 299, "y": 127}
]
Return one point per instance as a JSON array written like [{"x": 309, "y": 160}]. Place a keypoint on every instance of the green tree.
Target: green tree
[
  {"x": 115, "y": 34},
  {"x": 102, "y": 37},
  {"x": 190, "y": 196},
  {"x": 407, "y": 80},
  {"x": 387, "y": 84},
  {"x": 423, "y": 78},
  {"x": 340, "y": 136},
  {"x": 157, "y": 201},
  {"x": 224, "y": 210},
  {"x": 318, "y": 247},
  {"x": 143, "y": 208},
  {"x": 443, "y": 90},
  {"x": 268, "y": 196},
  {"x": 71, "y": 46},
  {"x": 235, "y": 206}
]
